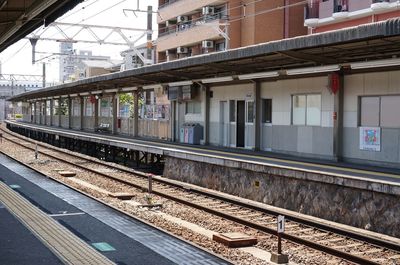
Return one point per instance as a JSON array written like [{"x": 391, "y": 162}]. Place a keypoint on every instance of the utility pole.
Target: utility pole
[
  {"x": 44, "y": 75},
  {"x": 149, "y": 32},
  {"x": 33, "y": 43}
]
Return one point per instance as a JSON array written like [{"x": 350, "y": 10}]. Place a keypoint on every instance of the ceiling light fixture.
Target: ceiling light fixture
[
  {"x": 181, "y": 83},
  {"x": 96, "y": 92},
  {"x": 114, "y": 90},
  {"x": 376, "y": 63},
  {"x": 217, "y": 79},
  {"x": 157, "y": 86},
  {"x": 258, "y": 75},
  {"x": 313, "y": 70},
  {"x": 127, "y": 89}
]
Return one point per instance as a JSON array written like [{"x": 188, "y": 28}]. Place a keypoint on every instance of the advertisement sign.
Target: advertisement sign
[
  {"x": 173, "y": 93},
  {"x": 187, "y": 92},
  {"x": 370, "y": 138},
  {"x": 19, "y": 117}
]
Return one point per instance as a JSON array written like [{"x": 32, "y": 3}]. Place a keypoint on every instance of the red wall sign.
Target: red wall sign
[
  {"x": 334, "y": 82},
  {"x": 92, "y": 99}
]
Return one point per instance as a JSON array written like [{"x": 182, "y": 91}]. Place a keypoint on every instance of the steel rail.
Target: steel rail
[{"x": 295, "y": 239}]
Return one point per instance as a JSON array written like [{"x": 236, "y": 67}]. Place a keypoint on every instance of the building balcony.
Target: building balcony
[
  {"x": 311, "y": 13},
  {"x": 318, "y": 12},
  {"x": 173, "y": 8},
  {"x": 340, "y": 9},
  {"x": 380, "y": 5},
  {"x": 189, "y": 34}
]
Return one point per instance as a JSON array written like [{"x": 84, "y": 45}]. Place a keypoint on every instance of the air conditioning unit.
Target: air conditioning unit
[
  {"x": 208, "y": 10},
  {"x": 207, "y": 44},
  {"x": 182, "y": 50},
  {"x": 182, "y": 19}
]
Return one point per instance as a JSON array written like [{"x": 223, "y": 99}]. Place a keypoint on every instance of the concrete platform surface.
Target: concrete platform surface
[{"x": 121, "y": 239}]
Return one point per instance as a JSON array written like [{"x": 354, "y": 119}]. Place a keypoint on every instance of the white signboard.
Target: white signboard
[
  {"x": 370, "y": 138},
  {"x": 281, "y": 224}
]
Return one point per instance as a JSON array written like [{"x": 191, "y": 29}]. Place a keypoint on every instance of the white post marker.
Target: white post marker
[
  {"x": 281, "y": 224},
  {"x": 281, "y": 229}
]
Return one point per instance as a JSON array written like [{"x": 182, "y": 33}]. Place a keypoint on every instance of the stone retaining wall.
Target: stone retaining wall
[{"x": 363, "y": 208}]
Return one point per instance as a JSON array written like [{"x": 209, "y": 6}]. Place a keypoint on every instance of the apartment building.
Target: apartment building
[
  {"x": 326, "y": 15},
  {"x": 192, "y": 27}
]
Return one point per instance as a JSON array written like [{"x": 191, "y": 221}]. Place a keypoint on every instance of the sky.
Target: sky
[{"x": 17, "y": 59}]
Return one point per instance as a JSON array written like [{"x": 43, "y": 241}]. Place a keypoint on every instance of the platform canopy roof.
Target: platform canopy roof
[
  {"x": 362, "y": 43},
  {"x": 18, "y": 18}
]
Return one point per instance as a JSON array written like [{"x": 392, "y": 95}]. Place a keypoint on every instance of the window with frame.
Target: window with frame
[
  {"x": 220, "y": 46},
  {"x": 232, "y": 110},
  {"x": 266, "y": 116},
  {"x": 250, "y": 111},
  {"x": 193, "y": 107},
  {"x": 380, "y": 111},
  {"x": 306, "y": 109}
]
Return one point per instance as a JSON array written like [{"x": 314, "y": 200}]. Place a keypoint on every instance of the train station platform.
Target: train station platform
[
  {"x": 233, "y": 157},
  {"x": 44, "y": 222}
]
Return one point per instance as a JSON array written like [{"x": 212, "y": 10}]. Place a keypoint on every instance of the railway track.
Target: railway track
[{"x": 344, "y": 244}]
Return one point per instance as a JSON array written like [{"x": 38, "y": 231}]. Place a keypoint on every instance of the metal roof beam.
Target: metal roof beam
[
  {"x": 308, "y": 57},
  {"x": 225, "y": 68},
  {"x": 178, "y": 74}
]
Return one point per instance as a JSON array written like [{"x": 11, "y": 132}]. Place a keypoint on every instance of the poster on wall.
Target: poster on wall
[{"x": 370, "y": 139}]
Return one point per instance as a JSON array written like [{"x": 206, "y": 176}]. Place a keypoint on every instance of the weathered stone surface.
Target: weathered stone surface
[{"x": 328, "y": 199}]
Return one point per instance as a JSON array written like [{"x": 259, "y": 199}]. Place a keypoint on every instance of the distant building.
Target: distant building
[
  {"x": 72, "y": 67},
  {"x": 137, "y": 57},
  {"x": 100, "y": 67},
  {"x": 326, "y": 15},
  {"x": 67, "y": 61},
  {"x": 188, "y": 27},
  {"x": 9, "y": 88}
]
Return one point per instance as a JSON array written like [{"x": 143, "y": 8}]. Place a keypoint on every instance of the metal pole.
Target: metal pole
[
  {"x": 149, "y": 34},
  {"x": 135, "y": 113},
  {"x": 207, "y": 116},
  {"x": 82, "y": 113},
  {"x": 44, "y": 75},
  {"x": 33, "y": 43},
  {"x": 279, "y": 244},
  {"x": 257, "y": 115},
  {"x": 36, "y": 151},
  {"x": 150, "y": 183},
  {"x": 115, "y": 113}
]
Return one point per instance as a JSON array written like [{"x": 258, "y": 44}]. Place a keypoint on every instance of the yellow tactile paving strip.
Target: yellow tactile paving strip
[{"x": 68, "y": 247}]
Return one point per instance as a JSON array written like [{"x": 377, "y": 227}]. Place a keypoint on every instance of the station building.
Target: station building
[{"x": 332, "y": 95}]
